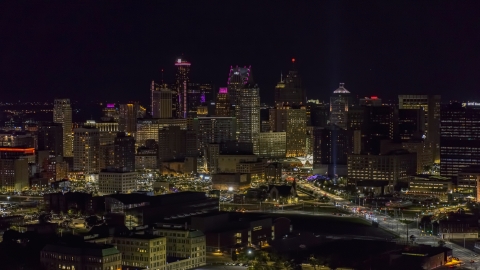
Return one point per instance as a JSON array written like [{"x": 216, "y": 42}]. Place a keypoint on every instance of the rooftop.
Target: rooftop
[
  {"x": 341, "y": 90},
  {"x": 82, "y": 248},
  {"x": 432, "y": 177}
]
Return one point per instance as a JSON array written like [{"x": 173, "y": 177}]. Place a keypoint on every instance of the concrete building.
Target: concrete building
[
  {"x": 112, "y": 181},
  {"x": 80, "y": 256},
  {"x": 142, "y": 250},
  {"x": 230, "y": 181},
  {"x": 389, "y": 168},
  {"x": 433, "y": 185},
  {"x": 228, "y": 163},
  {"x": 183, "y": 244},
  {"x": 86, "y": 150},
  {"x": 467, "y": 180},
  {"x": 272, "y": 144}
]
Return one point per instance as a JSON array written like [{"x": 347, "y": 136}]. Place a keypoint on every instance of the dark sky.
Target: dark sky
[{"x": 113, "y": 49}]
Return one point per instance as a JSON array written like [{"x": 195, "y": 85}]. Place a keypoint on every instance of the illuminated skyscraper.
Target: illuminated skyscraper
[
  {"x": 290, "y": 91},
  {"x": 339, "y": 103},
  {"x": 86, "y": 147},
  {"x": 62, "y": 114},
  {"x": 431, "y": 107},
  {"x": 181, "y": 85},
  {"x": 198, "y": 94},
  {"x": 129, "y": 113},
  {"x": 161, "y": 101},
  {"x": 247, "y": 113},
  {"x": 124, "y": 149},
  {"x": 293, "y": 122},
  {"x": 222, "y": 105},
  {"x": 459, "y": 137},
  {"x": 237, "y": 79}
]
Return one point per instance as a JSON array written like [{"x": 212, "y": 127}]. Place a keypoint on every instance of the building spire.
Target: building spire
[{"x": 281, "y": 76}]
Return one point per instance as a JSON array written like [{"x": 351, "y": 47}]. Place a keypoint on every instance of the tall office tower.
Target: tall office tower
[
  {"x": 237, "y": 79},
  {"x": 331, "y": 145},
  {"x": 181, "y": 87},
  {"x": 198, "y": 94},
  {"x": 411, "y": 124},
  {"x": 459, "y": 137},
  {"x": 379, "y": 123},
  {"x": 62, "y": 114},
  {"x": 161, "y": 101},
  {"x": 171, "y": 144},
  {"x": 128, "y": 117},
  {"x": 222, "y": 104},
  {"x": 319, "y": 114},
  {"x": 50, "y": 137},
  {"x": 340, "y": 101},
  {"x": 294, "y": 123},
  {"x": 247, "y": 113},
  {"x": 272, "y": 144},
  {"x": 124, "y": 149},
  {"x": 86, "y": 146},
  {"x": 290, "y": 91},
  {"x": 431, "y": 107},
  {"x": 214, "y": 130},
  {"x": 147, "y": 129},
  {"x": 111, "y": 112}
]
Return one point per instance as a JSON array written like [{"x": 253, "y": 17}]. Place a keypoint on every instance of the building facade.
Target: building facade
[
  {"x": 272, "y": 144},
  {"x": 62, "y": 114},
  {"x": 459, "y": 137},
  {"x": 111, "y": 181},
  {"x": 247, "y": 113},
  {"x": 340, "y": 101},
  {"x": 86, "y": 150}
]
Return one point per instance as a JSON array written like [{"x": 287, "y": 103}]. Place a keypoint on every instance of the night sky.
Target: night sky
[{"x": 99, "y": 51}]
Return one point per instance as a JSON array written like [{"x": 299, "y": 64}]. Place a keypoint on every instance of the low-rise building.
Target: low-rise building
[
  {"x": 458, "y": 226},
  {"x": 430, "y": 184},
  {"x": 112, "y": 181},
  {"x": 142, "y": 250},
  {"x": 393, "y": 167},
  {"x": 467, "y": 180},
  {"x": 80, "y": 255},
  {"x": 230, "y": 181},
  {"x": 183, "y": 245}
]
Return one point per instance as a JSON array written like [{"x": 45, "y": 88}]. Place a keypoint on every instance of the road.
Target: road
[{"x": 396, "y": 226}]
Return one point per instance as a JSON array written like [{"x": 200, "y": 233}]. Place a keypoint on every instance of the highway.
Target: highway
[{"x": 399, "y": 228}]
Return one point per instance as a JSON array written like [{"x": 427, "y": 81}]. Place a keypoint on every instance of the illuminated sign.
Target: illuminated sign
[
  {"x": 111, "y": 105},
  {"x": 473, "y": 103},
  {"x": 223, "y": 90},
  {"x": 258, "y": 228}
]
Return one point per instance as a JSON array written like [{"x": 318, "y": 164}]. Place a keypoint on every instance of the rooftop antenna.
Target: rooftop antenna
[
  {"x": 162, "y": 76},
  {"x": 281, "y": 76}
]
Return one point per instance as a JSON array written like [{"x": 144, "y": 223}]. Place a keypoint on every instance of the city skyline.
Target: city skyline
[{"x": 416, "y": 49}]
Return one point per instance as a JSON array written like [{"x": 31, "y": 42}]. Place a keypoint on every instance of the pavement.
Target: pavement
[{"x": 396, "y": 226}]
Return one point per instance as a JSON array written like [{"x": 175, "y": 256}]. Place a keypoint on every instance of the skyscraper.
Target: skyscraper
[
  {"x": 290, "y": 91},
  {"x": 293, "y": 121},
  {"x": 222, "y": 105},
  {"x": 215, "y": 129},
  {"x": 128, "y": 116},
  {"x": 459, "y": 137},
  {"x": 247, "y": 112},
  {"x": 198, "y": 94},
  {"x": 62, "y": 114},
  {"x": 431, "y": 107},
  {"x": 339, "y": 103},
  {"x": 50, "y": 137},
  {"x": 331, "y": 145},
  {"x": 86, "y": 147},
  {"x": 237, "y": 79},
  {"x": 161, "y": 101},
  {"x": 124, "y": 149},
  {"x": 181, "y": 85}
]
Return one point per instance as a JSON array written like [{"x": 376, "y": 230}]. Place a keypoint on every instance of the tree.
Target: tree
[
  {"x": 313, "y": 261},
  {"x": 441, "y": 243}
]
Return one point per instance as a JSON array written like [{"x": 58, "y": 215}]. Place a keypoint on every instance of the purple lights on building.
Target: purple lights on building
[
  {"x": 223, "y": 90},
  {"x": 110, "y": 105}
]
